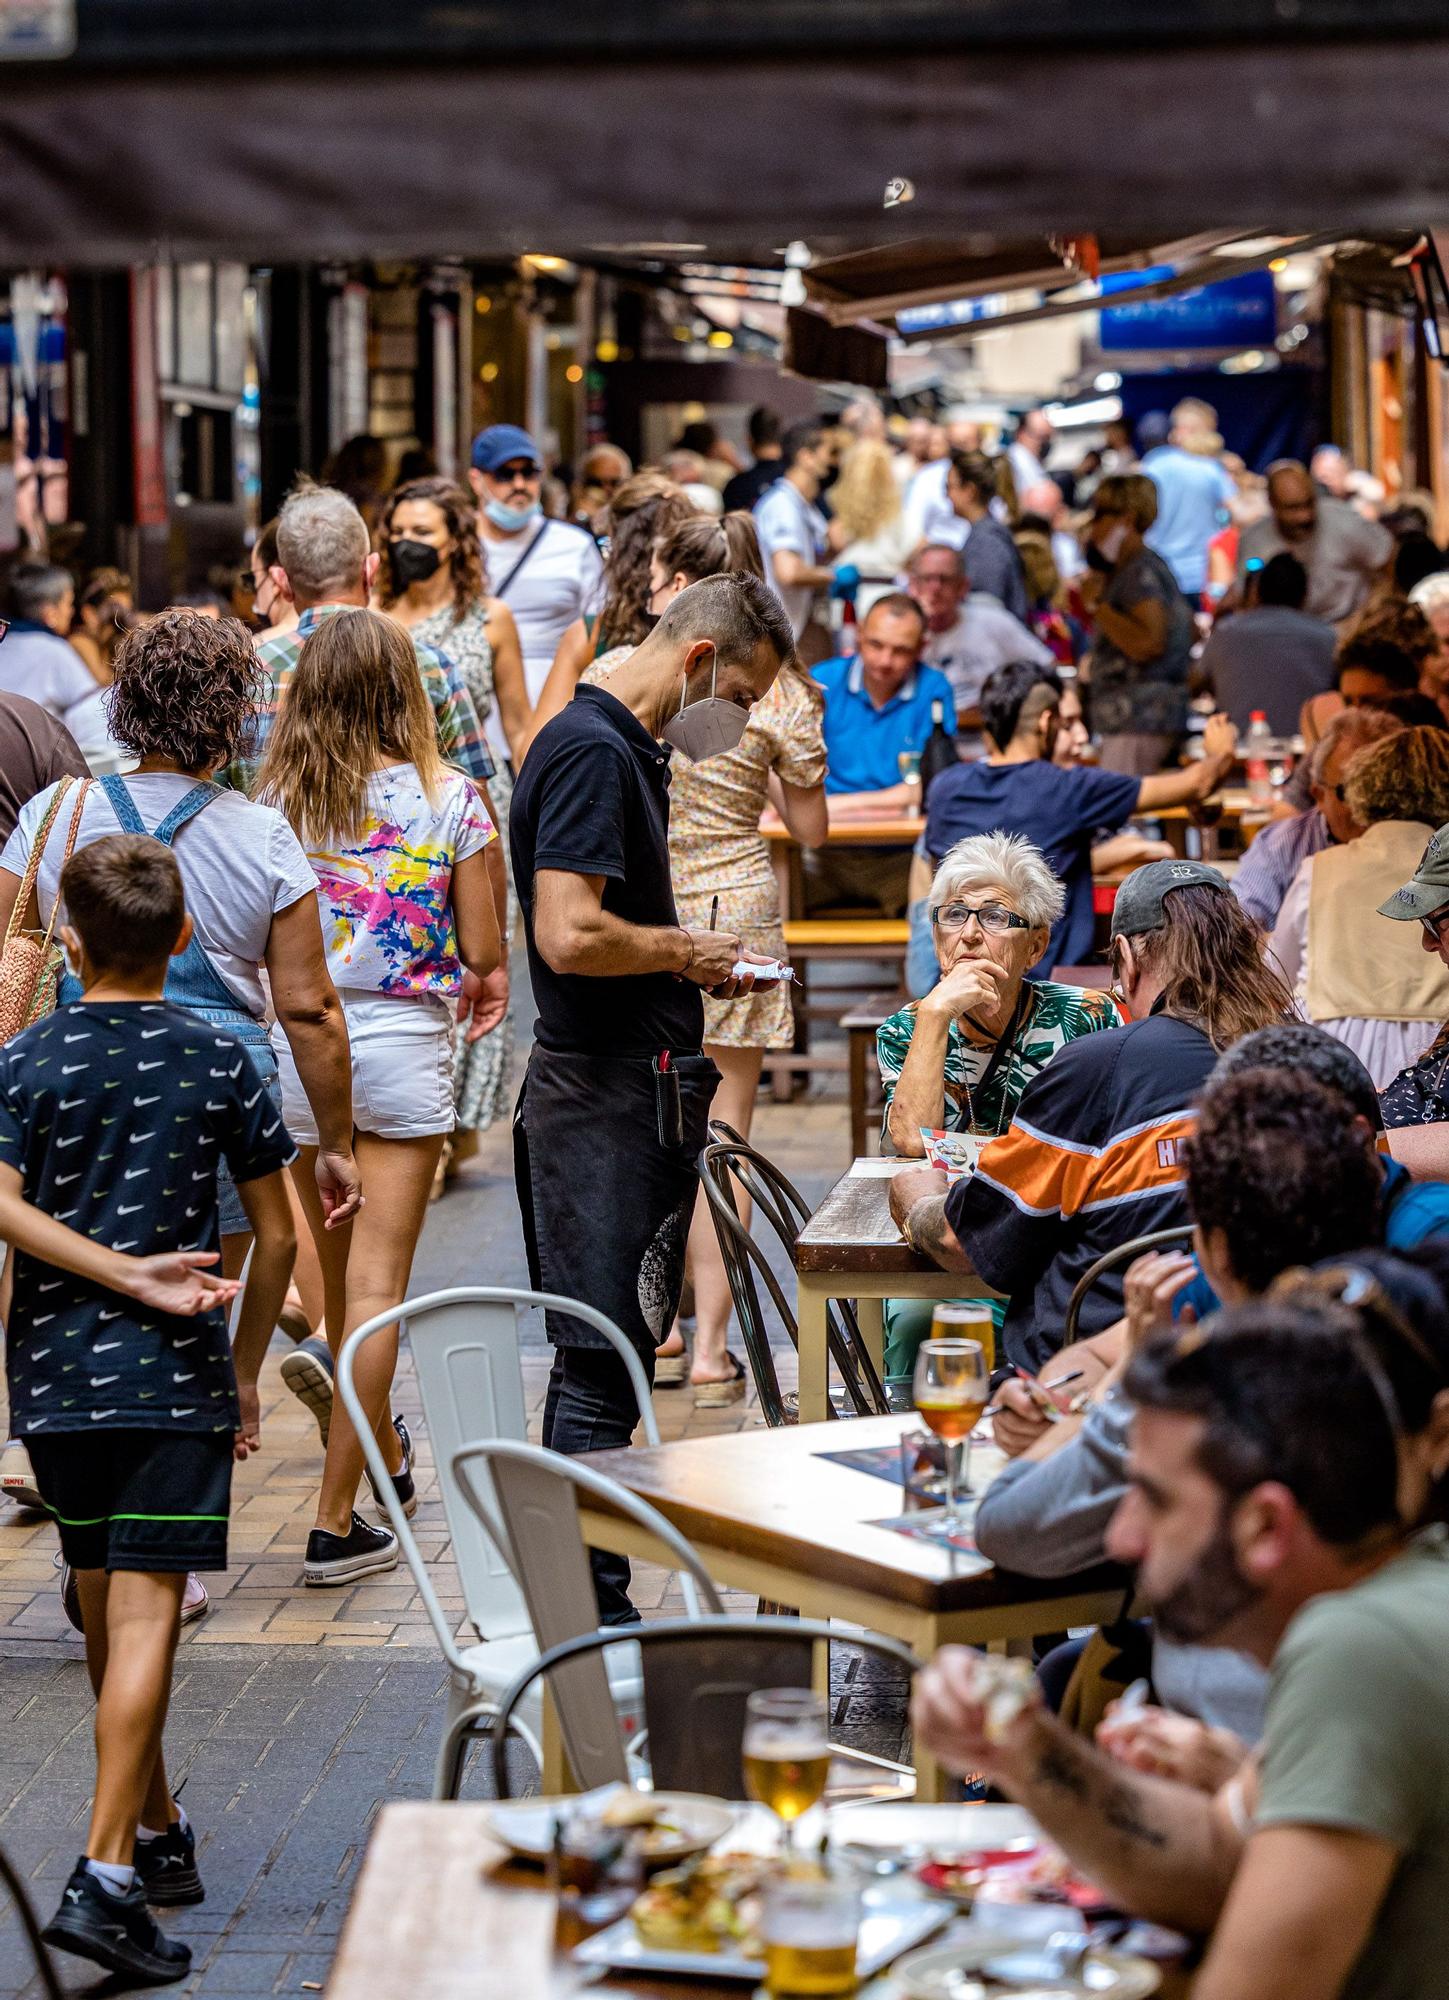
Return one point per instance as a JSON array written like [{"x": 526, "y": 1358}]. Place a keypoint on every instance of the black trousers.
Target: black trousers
[{"x": 604, "y": 1163}]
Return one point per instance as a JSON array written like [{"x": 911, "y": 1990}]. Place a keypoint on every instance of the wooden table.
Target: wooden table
[
  {"x": 770, "y": 1514},
  {"x": 785, "y": 850},
  {"x": 851, "y": 1249},
  {"x": 1241, "y": 814}
]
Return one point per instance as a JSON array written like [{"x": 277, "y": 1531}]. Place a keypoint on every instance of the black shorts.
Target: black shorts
[{"x": 147, "y": 1500}]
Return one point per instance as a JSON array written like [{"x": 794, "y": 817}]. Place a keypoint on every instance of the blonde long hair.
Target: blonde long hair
[
  {"x": 354, "y": 703},
  {"x": 866, "y": 498}
]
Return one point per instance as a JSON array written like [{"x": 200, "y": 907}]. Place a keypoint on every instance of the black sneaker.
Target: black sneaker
[
  {"x": 334, "y": 1559},
  {"x": 402, "y": 1482},
  {"x": 307, "y": 1372},
  {"x": 115, "y": 1931},
  {"x": 166, "y": 1868}
]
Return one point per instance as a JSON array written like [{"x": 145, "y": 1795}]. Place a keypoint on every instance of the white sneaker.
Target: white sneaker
[{"x": 17, "y": 1481}]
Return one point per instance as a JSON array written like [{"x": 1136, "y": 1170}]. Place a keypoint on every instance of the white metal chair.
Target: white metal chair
[
  {"x": 470, "y": 1377},
  {"x": 536, "y": 1525}
]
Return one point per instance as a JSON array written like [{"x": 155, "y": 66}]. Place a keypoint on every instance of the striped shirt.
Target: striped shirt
[
  {"x": 460, "y": 734},
  {"x": 1266, "y": 870},
  {"x": 1091, "y": 1160}
]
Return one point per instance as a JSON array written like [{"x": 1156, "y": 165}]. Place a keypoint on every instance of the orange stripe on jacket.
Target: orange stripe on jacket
[{"x": 1041, "y": 1175}]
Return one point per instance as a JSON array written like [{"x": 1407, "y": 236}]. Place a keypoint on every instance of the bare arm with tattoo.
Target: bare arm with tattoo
[
  {"x": 918, "y": 1209},
  {"x": 1160, "y": 1850}
]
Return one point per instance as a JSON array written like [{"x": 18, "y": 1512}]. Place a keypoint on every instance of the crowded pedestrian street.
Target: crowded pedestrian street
[{"x": 724, "y": 1000}]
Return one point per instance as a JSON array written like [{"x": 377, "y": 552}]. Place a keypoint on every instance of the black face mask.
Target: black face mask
[
  {"x": 1095, "y": 559},
  {"x": 412, "y": 562}
]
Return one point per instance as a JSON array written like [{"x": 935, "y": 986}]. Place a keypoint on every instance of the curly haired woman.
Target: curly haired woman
[{"x": 645, "y": 509}]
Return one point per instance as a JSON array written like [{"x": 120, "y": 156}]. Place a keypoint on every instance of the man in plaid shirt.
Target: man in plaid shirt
[{"x": 323, "y": 552}]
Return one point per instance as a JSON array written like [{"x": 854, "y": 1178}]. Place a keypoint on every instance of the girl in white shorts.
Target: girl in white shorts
[{"x": 396, "y": 839}]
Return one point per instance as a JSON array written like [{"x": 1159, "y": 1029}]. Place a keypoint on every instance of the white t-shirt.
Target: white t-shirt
[
  {"x": 385, "y": 899},
  {"x": 785, "y": 519},
  {"x": 46, "y": 669},
  {"x": 240, "y": 863},
  {"x": 984, "y": 637},
  {"x": 929, "y": 515},
  {"x": 561, "y": 580}
]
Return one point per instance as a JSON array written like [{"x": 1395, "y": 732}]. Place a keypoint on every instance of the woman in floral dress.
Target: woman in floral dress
[
  {"x": 431, "y": 580},
  {"x": 716, "y": 849}
]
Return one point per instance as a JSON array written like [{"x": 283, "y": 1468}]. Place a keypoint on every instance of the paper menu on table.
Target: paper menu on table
[{"x": 957, "y": 1152}]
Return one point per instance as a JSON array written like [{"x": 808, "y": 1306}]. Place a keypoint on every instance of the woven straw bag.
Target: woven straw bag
[{"x": 30, "y": 965}]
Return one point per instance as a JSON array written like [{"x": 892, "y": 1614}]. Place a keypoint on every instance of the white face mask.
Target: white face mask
[{"x": 705, "y": 728}]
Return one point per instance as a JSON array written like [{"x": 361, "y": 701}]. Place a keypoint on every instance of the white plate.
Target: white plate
[
  {"x": 887, "y": 1929},
  {"x": 943, "y": 1830},
  {"x": 1107, "y": 1975},
  {"x": 526, "y": 1825}
]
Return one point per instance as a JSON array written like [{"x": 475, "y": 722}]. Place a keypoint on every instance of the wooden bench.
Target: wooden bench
[{"x": 838, "y": 940}]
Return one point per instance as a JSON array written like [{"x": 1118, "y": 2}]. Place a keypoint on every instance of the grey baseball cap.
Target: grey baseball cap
[
  {"x": 1428, "y": 889},
  {"x": 1138, "y": 907}
]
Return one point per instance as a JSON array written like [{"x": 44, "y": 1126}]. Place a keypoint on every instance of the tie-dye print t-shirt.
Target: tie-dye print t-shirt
[{"x": 386, "y": 899}]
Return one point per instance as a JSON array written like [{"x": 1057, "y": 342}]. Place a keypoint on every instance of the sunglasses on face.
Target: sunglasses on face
[
  {"x": 518, "y": 475},
  {"x": 993, "y": 918}
]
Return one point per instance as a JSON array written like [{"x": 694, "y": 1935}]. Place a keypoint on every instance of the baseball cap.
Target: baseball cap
[
  {"x": 1138, "y": 907},
  {"x": 500, "y": 443},
  {"x": 1428, "y": 888}
]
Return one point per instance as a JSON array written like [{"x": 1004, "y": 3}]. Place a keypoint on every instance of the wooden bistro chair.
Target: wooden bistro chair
[{"x": 1125, "y": 1253}]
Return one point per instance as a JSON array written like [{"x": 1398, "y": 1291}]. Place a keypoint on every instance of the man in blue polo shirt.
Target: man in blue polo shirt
[{"x": 878, "y": 707}]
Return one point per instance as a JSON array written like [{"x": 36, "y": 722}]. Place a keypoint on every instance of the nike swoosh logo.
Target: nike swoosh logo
[
  {"x": 192, "y": 1211},
  {"x": 139, "y": 1101},
  {"x": 130, "y": 1208},
  {"x": 77, "y": 1038},
  {"x": 189, "y": 1411},
  {"x": 134, "y": 1173},
  {"x": 62, "y": 1179},
  {"x": 41, "y": 1390},
  {"x": 65, "y": 1215},
  {"x": 42, "y": 1318},
  {"x": 99, "y": 1417},
  {"x": 150, "y": 1034},
  {"x": 130, "y": 1243},
  {"x": 138, "y": 1138},
  {"x": 190, "y": 1341},
  {"x": 39, "y": 1353},
  {"x": 70, "y": 1103},
  {"x": 105, "y": 1346},
  {"x": 219, "y": 1072},
  {"x": 214, "y": 1107},
  {"x": 189, "y": 1376},
  {"x": 247, "y": 1102},
  {"x": 103, "y": 1381},
  {"x": 50, "y": 1285},
  {"x": 70, "y": 1069},
  {"x": 268, "y": 1130},
  {"x": 201, "y": 1177},
  {"x": 70, "y": 1142},
  {"x": 154, "y": 1065}
]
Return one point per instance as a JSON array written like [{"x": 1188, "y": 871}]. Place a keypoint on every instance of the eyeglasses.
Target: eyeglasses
[
  {"x": 993, "y": 918},
  {"x": 1434, "y": 925},
  {"x": 513, "y": 475}
]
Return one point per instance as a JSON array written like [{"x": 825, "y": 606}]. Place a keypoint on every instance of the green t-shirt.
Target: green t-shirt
[{"x": 1357, "y": 1737}]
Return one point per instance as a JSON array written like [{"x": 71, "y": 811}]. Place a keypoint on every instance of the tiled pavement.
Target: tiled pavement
[{"x": 296, "y": 1713}]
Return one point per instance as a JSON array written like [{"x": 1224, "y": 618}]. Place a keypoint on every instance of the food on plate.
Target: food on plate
[
  {"x": 659, "y": 1824},
  {"x": 708, "y": 1905},
  {"x": 1006, "y": 1687}
]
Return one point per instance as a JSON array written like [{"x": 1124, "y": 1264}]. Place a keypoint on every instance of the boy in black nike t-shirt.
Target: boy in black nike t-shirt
[{"x": 114, "y": 1114}]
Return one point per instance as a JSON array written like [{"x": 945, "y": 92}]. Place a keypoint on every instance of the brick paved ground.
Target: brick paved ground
[{"x": 297, "y": 1713}]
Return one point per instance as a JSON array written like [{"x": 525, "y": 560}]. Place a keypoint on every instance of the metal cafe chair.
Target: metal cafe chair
[
  {"x": 1124, "y": 1253},
  {"x": 726, "y": 1165},
  {"x": 697, "y": 1676}
]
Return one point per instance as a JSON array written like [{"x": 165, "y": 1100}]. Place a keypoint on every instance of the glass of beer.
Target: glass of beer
[
  {"x": 786, "y": 1752},
  {"x": 810, "y": 1925},
  {"x": 966, "y": 1319},
  {"x": 952, "y": 1381}
]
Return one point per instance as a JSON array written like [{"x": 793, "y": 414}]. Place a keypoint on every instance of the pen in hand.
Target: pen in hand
[{"x": 714, "y": 913}]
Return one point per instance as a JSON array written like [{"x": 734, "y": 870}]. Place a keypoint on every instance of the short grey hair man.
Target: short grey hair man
[
  {"x": 322, "y": 545},
  {"x": 1006, "y": 861},
  {"x": 1350, "y": 730}
]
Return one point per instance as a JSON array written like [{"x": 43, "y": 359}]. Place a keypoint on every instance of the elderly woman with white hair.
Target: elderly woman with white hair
[{"x": 959, "y": 1059}]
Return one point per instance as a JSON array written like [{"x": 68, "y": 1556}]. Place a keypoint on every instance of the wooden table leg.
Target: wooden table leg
[
  {"x": 810, "y": 1306},
  {"x": 557, "y": 1776},
  {"x": 860, "y": 1040}
]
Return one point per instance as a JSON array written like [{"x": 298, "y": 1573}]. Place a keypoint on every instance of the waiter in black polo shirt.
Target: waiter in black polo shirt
[{"x": 615, "y": 1104}]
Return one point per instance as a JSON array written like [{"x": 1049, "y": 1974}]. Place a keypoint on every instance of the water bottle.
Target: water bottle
[
  {"x": 843, "y": 587},
  {"x": 1259, "y": 742}
]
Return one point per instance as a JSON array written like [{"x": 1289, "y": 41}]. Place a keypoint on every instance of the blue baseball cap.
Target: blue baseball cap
[{"x": 500, "y": 443}]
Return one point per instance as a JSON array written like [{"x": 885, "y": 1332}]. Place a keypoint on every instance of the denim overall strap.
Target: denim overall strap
[{"x": 191, "y": 980}]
